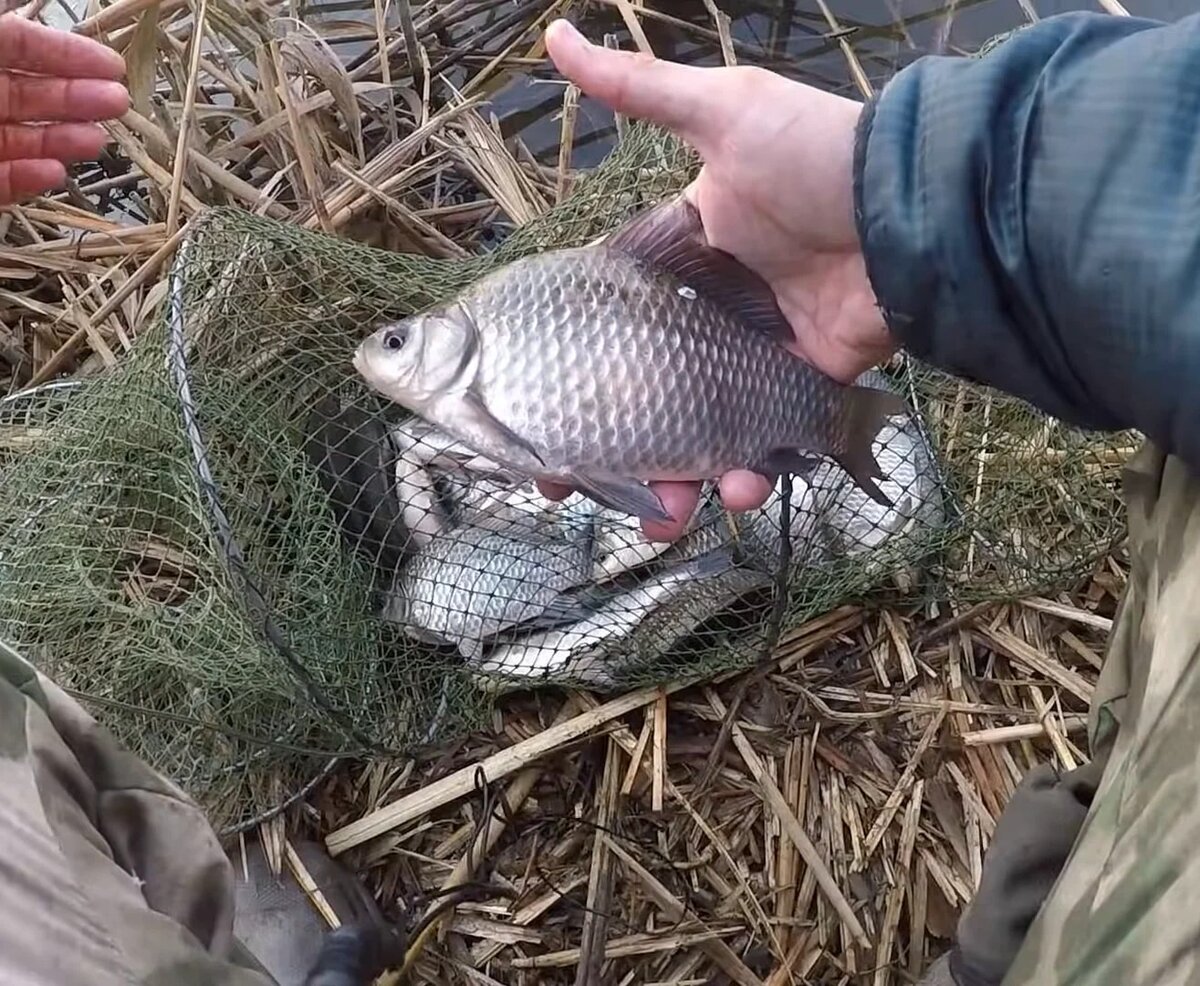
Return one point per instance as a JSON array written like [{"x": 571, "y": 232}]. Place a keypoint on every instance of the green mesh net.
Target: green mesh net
[{"x": 247, "y": 564}]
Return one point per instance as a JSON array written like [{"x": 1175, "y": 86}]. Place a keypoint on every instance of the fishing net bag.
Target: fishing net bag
[{"x": 204, "y": 543}]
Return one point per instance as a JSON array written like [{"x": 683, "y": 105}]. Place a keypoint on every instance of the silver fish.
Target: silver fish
[
  {"x": 761, "y": 532},
  {"x": 754, "y": 536},
  {"x": 424, "y": 453},
  {"x": 472, "y": 582},
  {"x": 620, "y": 545},
  {"x": 645, "y": 355},
  {"x": 854, "y": 524},
  {"x": 640, "y": 624}
]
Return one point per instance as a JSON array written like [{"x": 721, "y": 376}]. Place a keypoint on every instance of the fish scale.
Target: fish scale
[
  {"x": 646, "y": 356},
  {"x": 639, "y": 377}
]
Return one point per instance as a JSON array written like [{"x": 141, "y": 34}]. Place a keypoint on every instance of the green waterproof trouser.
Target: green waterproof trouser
[
  {"x": 1125, "y": 911},
  {"x": 110, "y": 875}
]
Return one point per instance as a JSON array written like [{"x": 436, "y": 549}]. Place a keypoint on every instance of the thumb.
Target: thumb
[{"x": 682, "y": 98}]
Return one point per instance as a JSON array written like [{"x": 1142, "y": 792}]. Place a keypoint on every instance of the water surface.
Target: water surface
[
  {"x": 789, "y": 36},
  {"x": 793, "y": 37}
]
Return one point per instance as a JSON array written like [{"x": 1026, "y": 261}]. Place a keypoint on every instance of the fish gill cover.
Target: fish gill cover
[{"x": 248, "y": 564}]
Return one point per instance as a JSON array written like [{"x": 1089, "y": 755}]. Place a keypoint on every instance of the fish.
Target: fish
[
  {"x": 853, "y": 524},
  {"x": 620, "y": 545},
  {"x": 639, "y": 624},
  {"x": 761, "y": 532},
  {"x": 753, "y": 535},
  {"x": 425, "y": 458},
  {"x": 645, "y": 355},
  {"x": 471, "y": 582},
  {"x": 354, "y": 461}
]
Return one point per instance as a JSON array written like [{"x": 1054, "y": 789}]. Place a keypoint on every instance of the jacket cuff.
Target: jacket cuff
[{"x": 915, "y": 176}]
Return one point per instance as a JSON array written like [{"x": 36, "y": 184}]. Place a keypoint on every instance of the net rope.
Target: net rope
[{"x": 246, "y": 563}]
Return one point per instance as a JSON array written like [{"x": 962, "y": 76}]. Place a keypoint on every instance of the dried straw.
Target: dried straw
[{"x": 839, "y": 832}]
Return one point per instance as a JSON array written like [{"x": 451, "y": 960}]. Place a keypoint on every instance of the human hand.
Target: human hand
[
  {"x": 775, "y": 191},
  {"x": 66, "y": 81}
]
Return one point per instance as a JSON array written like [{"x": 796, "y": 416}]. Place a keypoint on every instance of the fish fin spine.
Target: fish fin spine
[
  {"x": 670, "y": 238},
  {"x": 867, "y": 410}
]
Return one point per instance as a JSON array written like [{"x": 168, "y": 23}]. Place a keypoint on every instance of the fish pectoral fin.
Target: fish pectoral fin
[
  {"x": 563, "y": 611},
  {"x": 484, "y": 422},
  {"x": 626, "y": 495},
  {"x": 867, "y": 412},
  {"x": 571, "y": 607},
  {"x": 670, "y": 237}
]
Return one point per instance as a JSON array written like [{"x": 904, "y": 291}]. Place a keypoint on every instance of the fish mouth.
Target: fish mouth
[{"x": 360, "y": 360}]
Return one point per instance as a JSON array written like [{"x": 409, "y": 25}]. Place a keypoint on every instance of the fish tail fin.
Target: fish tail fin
[{"x": 867, "y": 411}]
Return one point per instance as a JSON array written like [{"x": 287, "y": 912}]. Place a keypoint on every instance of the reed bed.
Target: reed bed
[
  {"x": 825, "y": 824},
  {"x": 270, "y": 114},
  {"x": 834, "y": 838}
]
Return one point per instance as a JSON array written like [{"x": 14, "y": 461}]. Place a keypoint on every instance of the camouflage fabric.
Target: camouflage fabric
[
  {"x": 1124, "y": 908},
  {"x": 1119, "y": 907},
  {"x": 1033, "y": 840},
  {"x": 109, "y": 874}
]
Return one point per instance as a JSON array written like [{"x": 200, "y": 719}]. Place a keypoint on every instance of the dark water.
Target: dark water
[{"x": 792, "y": 37}]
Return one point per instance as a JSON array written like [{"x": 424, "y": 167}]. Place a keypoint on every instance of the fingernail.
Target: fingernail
[{"x": 568, "y": 31}]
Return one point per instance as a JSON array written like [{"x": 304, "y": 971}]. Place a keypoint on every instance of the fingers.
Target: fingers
[
  {"x": 22, "y": 179},
  {"x": 685, "y": 99},
  {"x": 680, "y": 501},
  {"x": 61, "y": 141},
  {"x": 31, "y": 47},
  {"x": 742, "y": 490},
  {"x": 553, "y": 491},
  {"x": 31, "y": 98}
]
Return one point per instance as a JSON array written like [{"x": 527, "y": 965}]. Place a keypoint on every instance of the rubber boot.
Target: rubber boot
[{"x": 277, "y": 923}]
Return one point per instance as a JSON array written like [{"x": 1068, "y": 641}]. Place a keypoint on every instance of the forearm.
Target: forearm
[{"x": 1031, "y": 219}]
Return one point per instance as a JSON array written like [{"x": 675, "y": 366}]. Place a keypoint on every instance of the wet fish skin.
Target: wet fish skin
[
  {"x": 647, "y": 355},
  {"x": 762, "y": 531},
  {"x": 422, "y": 455},
  {"x": 472, "y": 582},
  {"x": 418, "y": 441},
  {"x": 854, "y": 524},
  {"x": 619, "y": 546},
  {"x": 645, "y": 621}
]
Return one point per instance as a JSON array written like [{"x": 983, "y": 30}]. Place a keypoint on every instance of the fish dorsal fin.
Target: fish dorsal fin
[{"x": 670, "y": 238}]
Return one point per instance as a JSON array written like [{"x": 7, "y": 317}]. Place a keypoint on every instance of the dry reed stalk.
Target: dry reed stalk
[
  {"x": 629, "y": 14},
  {"x": 566, "y": 139},
  {"x": 721, "y": 20},
  {"x": 896, "y": 823},
  {"x": 600, "y": 874},
  {"x": 185, "y": 123},
  {"x": 499, "y": 765},
  {"x": 856, "y": 69}
]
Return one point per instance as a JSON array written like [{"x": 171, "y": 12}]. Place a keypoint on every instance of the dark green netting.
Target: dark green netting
[{"x": 176, "y": 537}]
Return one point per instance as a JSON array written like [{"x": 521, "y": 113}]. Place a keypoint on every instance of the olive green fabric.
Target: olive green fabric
[
  {"x": 1101, "y": 863},
  {"x": 1033, "y": 839},
  {"x": 109, "y": 874},
  {"x": 1125, "y": 909}
]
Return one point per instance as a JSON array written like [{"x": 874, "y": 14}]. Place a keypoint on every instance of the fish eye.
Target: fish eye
[{"x": 395, "y": 337}]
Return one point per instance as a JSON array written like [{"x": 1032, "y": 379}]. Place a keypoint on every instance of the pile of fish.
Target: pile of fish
[
  {"x": 524, "y": 587},
  {"x": 645, "y": 355}
]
